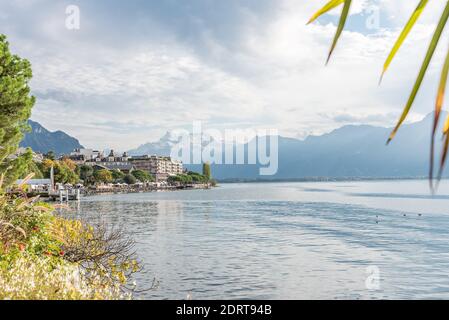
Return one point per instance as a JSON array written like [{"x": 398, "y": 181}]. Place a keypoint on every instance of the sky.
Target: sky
[{"x": 137, "y": 69}]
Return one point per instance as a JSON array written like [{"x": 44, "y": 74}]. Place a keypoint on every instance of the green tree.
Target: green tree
[
  {"x": 197, "y": 178},
  {"x": 130, "y": 179},
  {"x": 142, "y": 176},
  {"x": 86, "y": 173},
  {"x": 103, "y": 176},
  {"x": 181, "y": 178},
  {"x": 64, "y": 173},
  {"x": 117, "y": 175},
  {"x": 175, "y": 179},
  {"x": 50, "y": 155},
  {"x": 206, "y": 170},
  {"x": 15, "y": 109}
]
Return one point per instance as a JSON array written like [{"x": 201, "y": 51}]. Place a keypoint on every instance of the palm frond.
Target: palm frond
[
  {"x": 422, "y": 72},
  {"x": 341, "y": 26},
  {"x": 443, "y": 155},
  {"x": 27, "y": 178},
  {"x": 408, "y": 27},
  {"x": 438, "y": 108},
  {"x": 431, "y": 50},
  {"x": 328, "y": 7}
]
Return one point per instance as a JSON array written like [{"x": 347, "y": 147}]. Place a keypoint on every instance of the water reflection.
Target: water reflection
[{"x": 286, "y": 240}]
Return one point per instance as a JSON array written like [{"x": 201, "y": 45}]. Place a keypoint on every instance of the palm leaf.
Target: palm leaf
[
  {"x": 446, "y": 126},
  {"x": 443, "y": 156},
  {"x": 341, "y": 25},
  {"x": 329, "y": 6},
  {"x": 408, "y": 27},
  {"x": 445, "y": 148},
  {"x": 423, "y": 70},
  {"x": 438, "y": 107}
]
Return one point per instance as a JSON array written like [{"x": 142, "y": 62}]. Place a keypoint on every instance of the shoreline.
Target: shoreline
[
  {"x": 63, "y": 197},
  {"x": 325, "y": 179},
  {"x": 109, "y": 191}
]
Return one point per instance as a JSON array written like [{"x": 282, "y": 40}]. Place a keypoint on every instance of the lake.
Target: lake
[{"x": 308, "y": 240}]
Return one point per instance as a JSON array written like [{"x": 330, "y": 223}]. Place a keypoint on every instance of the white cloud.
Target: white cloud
[{"x": 269, "y": 74}]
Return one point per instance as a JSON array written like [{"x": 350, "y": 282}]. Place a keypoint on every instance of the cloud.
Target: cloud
[{"x": 138, "y": 69}]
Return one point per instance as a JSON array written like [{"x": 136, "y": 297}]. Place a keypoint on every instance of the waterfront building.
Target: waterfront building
[
  {"x": 80, "y": 156},
  {"x": 78, "y": 159},
  {"x": 159, "y": 166},
  {"x": 112, "y": 162}
]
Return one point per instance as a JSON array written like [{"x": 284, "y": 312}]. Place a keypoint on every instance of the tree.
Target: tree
[
  {"x": 206, "y": 170},
  {"x": 69, "y": 163},
  {"x": 181, "y": 179},
  {"x": 70, "y": 175},
  {"x": 16, "y": 103},
  {"x": 197, "y": 178},
  {"x": 63, "y": 171},
  {"x": 64, "y": 174},
  {"x": 129, "y": 179},
  {"x": 86, "y": 173},
  {"x": 142, "y": 176},
  {"x": 103, "y": 176},
  {"x": 117, "y": 175},
  {"x": 50, "y": 155},
  {"x": 175, "y": 179}
]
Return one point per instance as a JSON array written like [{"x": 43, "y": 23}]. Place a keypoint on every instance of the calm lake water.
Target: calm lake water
[{"x": 288, "y": 240}]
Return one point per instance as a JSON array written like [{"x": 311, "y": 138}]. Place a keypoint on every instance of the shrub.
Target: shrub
[
  {"x": 130, "y": 179},
  {"x": 105, "y": 254},
  {"x": 46, "y": 256},
  {"x": 32, "y": 278},
  {"x": 103, "y": 176},
  {"x": 86, "y": 173},
  {"x": 142, "y": 176},
  {"x": 117, "y": 175}
]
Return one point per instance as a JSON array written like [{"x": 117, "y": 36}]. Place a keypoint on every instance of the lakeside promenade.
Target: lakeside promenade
[{"x": 97, "y": 190}]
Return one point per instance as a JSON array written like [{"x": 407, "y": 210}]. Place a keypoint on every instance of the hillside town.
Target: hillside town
[
  {"x": 159, "y": 166},
  {"x": 88, "y": 171}
]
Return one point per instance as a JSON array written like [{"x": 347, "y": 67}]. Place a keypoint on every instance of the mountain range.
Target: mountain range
[
  {"x": 42, "y": 140},
  {"x": 348, "y": 152}
]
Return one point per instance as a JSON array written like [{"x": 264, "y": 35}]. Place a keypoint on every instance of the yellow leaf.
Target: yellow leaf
[
  {"x": 329, "y": 6},
  {"x": 408, "y": 27},
  {"x": 438, "y": 108},
  {"x": 431, "y": 50},
  {"x": 341, "y": 25}
]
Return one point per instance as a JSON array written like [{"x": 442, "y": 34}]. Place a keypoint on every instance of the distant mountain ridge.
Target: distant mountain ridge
[
  {"x": 42, "y": 140},
  {"x": 161, "y": 147},
  {"x": 348, "y": 152},
  {"x": 351, "y": 151}
]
